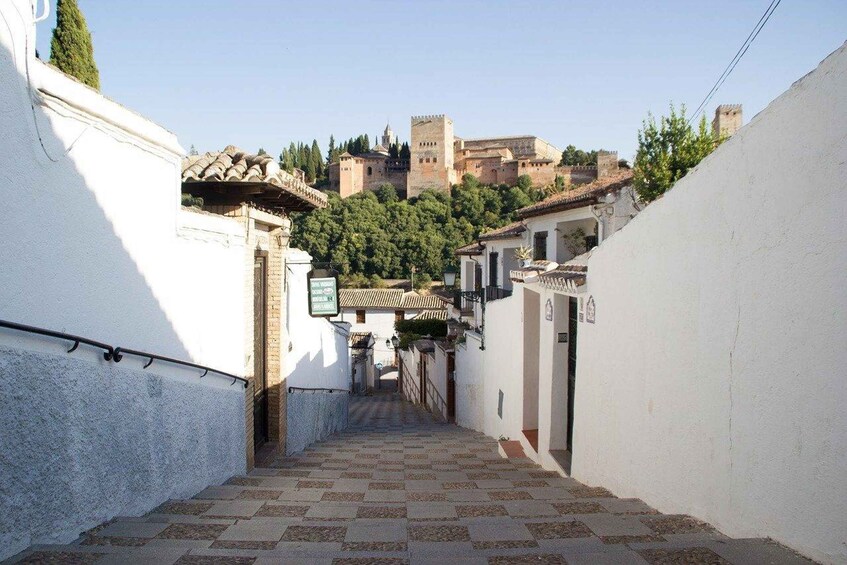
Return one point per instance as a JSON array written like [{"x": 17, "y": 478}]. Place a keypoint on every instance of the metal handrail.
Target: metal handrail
[
  {"x": 114, "y": 353},
  {"x": 121, "y": 351},
  {"x": 108, "y": 350},
  {"x": 304, "y": 389}
]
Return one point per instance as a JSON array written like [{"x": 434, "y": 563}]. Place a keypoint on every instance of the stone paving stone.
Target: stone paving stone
[
  {"x": 385, "y": 485},
  {"x": 499, "y": 531},
  {"x": 132, "y": 529},
  {"x": 385, "y": 496},
  {"x": 244, "y": 481},
  {"x": 60, "y": 558},
  {"x": 689, "y": 555},
  {"x": 480, "y": 510},
  {"x": 234, "y": 508},
  {"x": 533, "y": 559},
  {"x": 625, "y": 557},
  {"x": 381, "y": 532},
  {"x": 424, "y": 496},
  {"x": 590, "y": 492},
  {"x": 249, "y": 530},
  {"x": 509, "y": 495},
  {"x": 192, "y": 531},
  {"x": 556, "y": 530},
  {"x": 578, "y": 507},
  {"x": 612, "y": 525},
  {"x": 756, "y": 551},
  {"x": 281, "y": 511},
  {"x": 439, "y": 533},
  {"x": 143, "y": 556},
  {"x": 113, "y": 540},
  {"x": 380, "y": 512},
  {"x": 333, "y": 496},
  {"x": 430, "y": 510},
  {"x": 314, "y": 533},
  {"x": 369, "y": 561},
  {"x": 308, "y": 483},
  {"x": 260, "y": 494},
  {"x": 214, "y": 560},
  {"x": 219, "y": 493},
  {"x": 184, "y": 507},
  {"x": 626, "y": 506},
  {"x": 677, "y": 524}
]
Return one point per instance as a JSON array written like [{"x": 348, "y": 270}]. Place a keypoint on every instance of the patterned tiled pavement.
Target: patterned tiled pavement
[{"x": 398, "y": 487}]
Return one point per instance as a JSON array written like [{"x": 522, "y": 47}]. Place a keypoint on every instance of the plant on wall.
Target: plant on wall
[
  {"x": 523, "y": 253},
  {"x": 575, "y": 241}
]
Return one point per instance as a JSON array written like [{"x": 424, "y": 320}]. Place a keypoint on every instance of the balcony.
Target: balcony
[{"x": 496, "y": 293}]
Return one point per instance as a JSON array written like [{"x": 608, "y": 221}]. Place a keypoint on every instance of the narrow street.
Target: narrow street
[{"x": 399, "y": 487}]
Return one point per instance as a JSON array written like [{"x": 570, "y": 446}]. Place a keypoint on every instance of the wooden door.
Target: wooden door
[{"x": 260, "y": 391}]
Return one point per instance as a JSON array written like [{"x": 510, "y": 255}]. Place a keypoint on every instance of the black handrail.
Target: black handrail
[
  {"x": 108, "y": 350},
  {"x": 121, "y": 351},
  {"x": 302, "y": 389},
  {"x": 115, "y": 353}
]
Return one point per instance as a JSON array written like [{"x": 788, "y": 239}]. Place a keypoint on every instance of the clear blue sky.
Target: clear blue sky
[{"x": 586, "y": 73}]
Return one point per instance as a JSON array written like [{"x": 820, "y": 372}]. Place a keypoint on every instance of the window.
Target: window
[
  {"x": 427, "y": 159},
  {"x": 493, "y": 259},
  {"x": 539, "y": 247},
  {"x": 370, "y": 171},
  {"x": 360, "y": 316},
  {"x": 435, "y": 159},
  {"x": 421, "y": 160},
  {"x": 399, "y": 316}
]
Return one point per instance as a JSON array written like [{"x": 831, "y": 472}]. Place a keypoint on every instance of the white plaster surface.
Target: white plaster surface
[
  {"x": 313, "y": 416},
  {"x": 713, "y": 381},
  {"x": 83, "y": 441},
  {"x": 94, "y": 240}
]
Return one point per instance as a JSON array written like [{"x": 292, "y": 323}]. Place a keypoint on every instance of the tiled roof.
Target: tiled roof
[
  {"x": 360, "y": 340},
  {"x": 388, "y": 298},
  {"x": 413, "y": 300},
  {"x": 506, "y": 232},
  {"x": 432, "y": 315},
  {"x": 566, "y": 278},
  {"x": 533, "y": 269},
  {"x": 234, "y": 167},
  {"x": 578, "y": 196},
  {"x": 473, "y": 248},
  {"x": 370, "y": 297}
]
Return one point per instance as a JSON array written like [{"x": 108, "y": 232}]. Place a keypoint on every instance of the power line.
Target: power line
[{"x": 738, "y": 55}]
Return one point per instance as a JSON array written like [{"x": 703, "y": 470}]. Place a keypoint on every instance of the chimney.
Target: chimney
[{"x": 727, "y": 120}]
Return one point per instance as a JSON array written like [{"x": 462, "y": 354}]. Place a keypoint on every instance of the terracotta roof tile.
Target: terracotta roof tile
[
  {"x": 232, "y": 165},
  {"x": 360, "y": 340},
  {"x": 388, "y": 298},
  {"x": 473, "y": 248},
  {"x": 578, "y": 196},
  {"x": 432, "y": 315},
  {"x": 506, "y": 232}
]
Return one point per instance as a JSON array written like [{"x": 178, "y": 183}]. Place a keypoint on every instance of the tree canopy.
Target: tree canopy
[
  {"x": 667, "y": 150},
  {"x": 376, "y": 233},
  {"x": 71, "y": 49},
  {"x": 572, "y": 156}
]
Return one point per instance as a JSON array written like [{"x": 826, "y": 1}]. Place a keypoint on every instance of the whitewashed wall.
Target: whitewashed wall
[
  {"x": 469, "y": 383},
  {"x": 381, "y": 324},
  {"x": 95, "y": 243},
  {"x": 92, "y": 230},
  {"x": 713, "y": 381},
  {"x": 315, "y": 354}
]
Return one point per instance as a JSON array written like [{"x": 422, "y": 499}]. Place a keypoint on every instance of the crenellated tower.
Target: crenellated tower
[{"x": 431, "y": 154}]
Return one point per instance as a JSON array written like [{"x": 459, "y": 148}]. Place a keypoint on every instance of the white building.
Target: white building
[
  {"x": 375, "y": 311},
  {"x": 695, "y": 359}
]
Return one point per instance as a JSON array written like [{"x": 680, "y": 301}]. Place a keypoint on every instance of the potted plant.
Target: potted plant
[{"x": 524, "y": 255}]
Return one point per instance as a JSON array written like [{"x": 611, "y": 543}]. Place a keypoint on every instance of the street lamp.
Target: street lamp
[
  {"x": 395, "y": 341},
  {"x": 450, "y": 276}
]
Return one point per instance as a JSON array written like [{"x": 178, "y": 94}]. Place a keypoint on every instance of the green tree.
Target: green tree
[
  {"x": 572, "y": 156},
  {"x": 71, "y": 49},
  {"x": 405, "y": 151},
  {"x": 331, "y": 152},
  {"x": 317, "y": 159},
  {"x": 667, "y": 150},
  {"x": 525, "y": 182},
  {"x": 193, "y": 150},
  {"x": 262, "y": 151}
]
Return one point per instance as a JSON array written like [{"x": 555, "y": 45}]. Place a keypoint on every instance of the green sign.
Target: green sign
[{"x": 323, "y": 296}]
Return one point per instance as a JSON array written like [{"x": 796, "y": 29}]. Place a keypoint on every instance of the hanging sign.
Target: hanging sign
[{"x": 323, "y": 293}]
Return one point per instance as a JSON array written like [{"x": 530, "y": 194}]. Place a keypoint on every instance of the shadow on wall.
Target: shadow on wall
[
  {"x": 64, "y": 266},
  {"x": 313, "y": 416}
]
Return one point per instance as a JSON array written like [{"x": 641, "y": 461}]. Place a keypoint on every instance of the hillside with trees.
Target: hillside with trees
[{"x": 376, "y": 234}]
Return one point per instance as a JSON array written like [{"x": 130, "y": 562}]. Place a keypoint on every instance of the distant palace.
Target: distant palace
[{"x": 439, "y": 159}]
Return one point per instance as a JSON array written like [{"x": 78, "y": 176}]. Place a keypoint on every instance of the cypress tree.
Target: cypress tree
[
  {"x": 330, "y": 152},
  {"x": 317, "y": 159},
  {"x": 71, "y": 50}
]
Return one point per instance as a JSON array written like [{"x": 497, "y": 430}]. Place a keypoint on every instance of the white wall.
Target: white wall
[
  {"x": 713, "y": 381},
  {"x": 469, "y": 383},
  {"x": 381, "y": 324},
  {"x": 84, "y": 440},
  {"x": 315, "y": 352},
  {"x": 94, "y": 242}
]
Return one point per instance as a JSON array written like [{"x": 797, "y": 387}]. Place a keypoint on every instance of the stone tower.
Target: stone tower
[
  {"x": 727, "y": 120},
  {"x": 432, "y": 154},
  {"x": 389, "y": 138}
]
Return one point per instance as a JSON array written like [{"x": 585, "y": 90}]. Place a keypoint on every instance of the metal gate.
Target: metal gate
[{"x": 260, "y": 331}]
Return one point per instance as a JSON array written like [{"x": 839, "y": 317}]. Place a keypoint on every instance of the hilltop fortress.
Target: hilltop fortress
[{"x": 439, "y": 159}]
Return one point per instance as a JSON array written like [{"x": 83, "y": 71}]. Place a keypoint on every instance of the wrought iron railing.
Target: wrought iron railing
[
  {"x": 116, "y": 353},
  {"x": 292, "y": 389},
  {"x": 464, "y": 300},
  {"x": 496, "y": 293}
]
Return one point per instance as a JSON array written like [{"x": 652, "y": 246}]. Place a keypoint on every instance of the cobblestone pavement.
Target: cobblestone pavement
[{"x": 398, "y": 487}]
